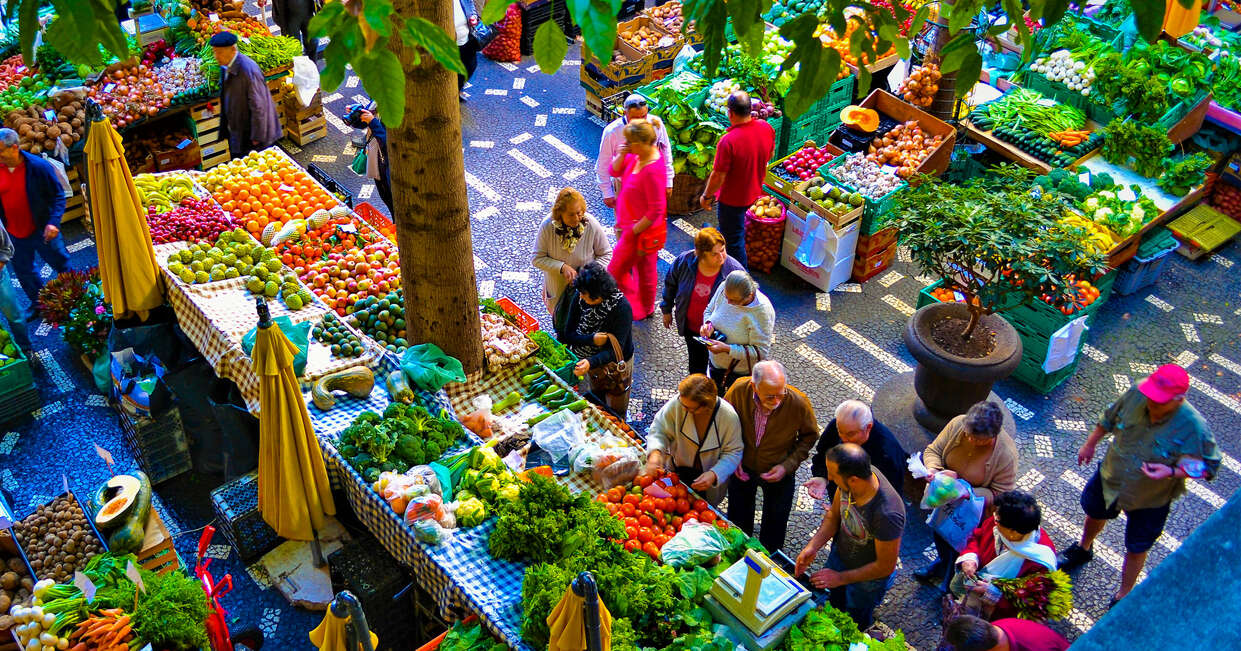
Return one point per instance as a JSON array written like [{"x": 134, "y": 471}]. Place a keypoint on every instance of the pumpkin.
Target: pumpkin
[
  {"x": 862, "y": 119},
  {"x": 122, "y": 506},
  {"x": 114, "y": 500},
  {"x": 357, "y": 382}
]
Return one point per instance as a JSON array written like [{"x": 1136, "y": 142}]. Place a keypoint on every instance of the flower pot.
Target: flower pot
[{"x": 948, "y": 384}]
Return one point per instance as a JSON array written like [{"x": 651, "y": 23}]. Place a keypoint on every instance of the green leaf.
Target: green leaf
[
  {"x": 597, "y": 18},
  {"x": 325, "y": 22},
  {"x": 748, "y": 23},
  {"x": 962, "y": 13},
  {"x": 550, "y": 47},
  {"x": 422, "y": 33},
  {"x": 376, "y": 13},
  {"x": 955, "y": 51},
  {"x": 902, "y": 47},
  {"x": 384, "y": 80},
  {"x": 27, "y": 27},
  {"x": 349, "y": 33},
  {"x": 493, "y": 12},
  {"x": 1149, "y": 17},
  {"x": 919, "y": 18},
  {"x": 1053, "y": 11},
  {"x": 888, "y": 32},
  {"x": 334, "y": 59},
  {"x": 863, "y": 81},
  {"x": 971, "y": 69}
]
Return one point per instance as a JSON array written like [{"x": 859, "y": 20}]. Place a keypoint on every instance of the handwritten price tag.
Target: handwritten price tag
[
  {"x": 215, "y": 18},
  {"x": 105, "y": 455},
  {"x": 85, "y": 585},
  {"x": 49, "y": 115},
  {"x": 108, "y": 88}
]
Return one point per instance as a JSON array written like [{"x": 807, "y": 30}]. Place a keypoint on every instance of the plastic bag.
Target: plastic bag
[
  {"x": 617, "y": 467},
  {"x": 479, "y": 420},
  {"x": 423, "y": 507},
  {"x": 943, "y": 489},
  {"x": 955, "y": 520},
  {"x": 583, "y": 457},
  {"x": 431, "y": 368},
  {"x": 559, "y": 434},
  {"x": 429, "y": 531},
  {"x": 694, "y": 544},
  {"x": 299, "y": 334},
  {"x": 812, "y": 251},
  {"x": 448, "y": 516}
]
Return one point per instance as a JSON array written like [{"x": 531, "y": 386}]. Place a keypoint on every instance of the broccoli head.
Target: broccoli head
[
  {"x": 1102, "y": 181},
  {"x": 348, "y": 451},
  {"x": 410, "y": 448},
  {"x": 1059, "y": 175},
  {"x": 368, "y": 417},
  {"x": 395, "y": 410}
]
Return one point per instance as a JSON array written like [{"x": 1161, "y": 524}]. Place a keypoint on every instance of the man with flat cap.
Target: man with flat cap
[
  {"x": 614, "y": 137},
  {"x": 250, "y": 119}
]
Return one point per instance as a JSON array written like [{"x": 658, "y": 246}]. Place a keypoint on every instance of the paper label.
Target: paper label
[
  {"x": 132, "y": 573},
  {"x": 85, "y": 585},
  {"x": 347, "y": 228},
  {"x": 1084, "y": 177},
  {"x": 105, "y": 455},
  {"x": 184, "y": 143},
  {"x": 49, "y": 115},
  {"x": 888, "y": 169},
  {"x": 1126, "y": 194},
  {"x": 215, "y": 18},
  {"x": 64, "y": 481},
  {"x": 108, "y": 88},
  {"x": 6, "y": 518},
  {"x": 1046, "y": 101}
]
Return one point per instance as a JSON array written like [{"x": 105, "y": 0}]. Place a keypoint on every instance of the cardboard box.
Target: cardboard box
[
  {"x": 186, "y": 156},
  {"x": 837, "y": 265}
]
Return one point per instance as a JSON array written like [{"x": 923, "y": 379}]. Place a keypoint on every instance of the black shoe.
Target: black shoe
[
  {"x": 932, "y": 575},
  {"x": 1073, "y": 557}
]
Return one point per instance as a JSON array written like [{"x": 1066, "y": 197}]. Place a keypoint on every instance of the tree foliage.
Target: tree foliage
[{"x": 360, "y": 29}]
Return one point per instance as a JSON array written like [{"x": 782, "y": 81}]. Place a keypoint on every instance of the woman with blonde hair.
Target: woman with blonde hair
[
  {"x": 698, "y": 436},
  {"x": 688, "y": 289},
  {"x": 641, "y": 216},
  {"x": 567, "y": 241}
]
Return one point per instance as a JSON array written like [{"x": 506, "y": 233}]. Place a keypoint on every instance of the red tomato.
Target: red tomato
[
  {"x": 616, "y": 494},
  {"x": 631, "y": 533},
  {"x": 660, "y": 517},
  {"x": 677, "y": 521},
  {"x": 631, "y": 522},
  {"x": 682, "y": 505},
  {"x": 673, "y": 477},
  {"x": 644, "y": 480},
  {"x": 722, "y": 524},
  {"x": 680, "y": 491},
  {"x": 612, "y": 508},
  {"x": 700, "y": 505},
  {"x": 661, "y": 540},
  {"x": 628, "y": 509},
  {"x": 669, "y": 531},
  {"x": 651, "y": 550},
  {"x": 647, "y": 504},
  {"x": 632, "y": 545},
  {"x": 691, "y": 515},
  {"x": 645, "y": 520},
  {"x": 706, "y": 517},
  {"x": 602, "y": 497},
  {"x": 633, "y": 499},
  {"x": 645, "y": 535}
]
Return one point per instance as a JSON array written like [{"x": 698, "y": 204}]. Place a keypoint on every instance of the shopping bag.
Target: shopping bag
[
  {"x": 138, "y": 384},
  {"x": 298, "y": 333},
  {"x": 813, "y": 248},
  {"x": 429, "y": 367},
  {"x": 957, "y": 520}
]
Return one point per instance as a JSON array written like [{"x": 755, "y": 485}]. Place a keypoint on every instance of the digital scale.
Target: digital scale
[{"x": 758, "y": 601}]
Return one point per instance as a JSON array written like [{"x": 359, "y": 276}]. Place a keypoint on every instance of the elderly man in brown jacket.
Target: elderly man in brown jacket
[{"x": 779, "y": 430}]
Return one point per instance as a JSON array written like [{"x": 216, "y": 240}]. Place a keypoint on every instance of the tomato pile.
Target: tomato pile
[
  {"x": 337, "y": 235},
  {"x": 1227, "y": 199},
  {"x": 651, "y": 520}
]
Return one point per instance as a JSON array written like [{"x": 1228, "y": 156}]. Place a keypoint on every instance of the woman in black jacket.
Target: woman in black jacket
[{"x": 591, "y": 310}]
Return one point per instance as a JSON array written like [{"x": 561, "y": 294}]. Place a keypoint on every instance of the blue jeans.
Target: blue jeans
[
  {"x": 860, "y": 599},
  {"x": 24, "y": 248},
  {"x": 732, "y": 227},
  {"x": 11, "y": 311}
]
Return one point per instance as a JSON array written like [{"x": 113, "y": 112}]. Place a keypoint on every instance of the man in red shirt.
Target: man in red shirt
[
  {"x": 737, "y": 177},
  {"x": 32, "y": 201},
  {"x": 969, "y": 633}
]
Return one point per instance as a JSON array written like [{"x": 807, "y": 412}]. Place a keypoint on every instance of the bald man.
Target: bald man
[{"x": 854, "y": 423}]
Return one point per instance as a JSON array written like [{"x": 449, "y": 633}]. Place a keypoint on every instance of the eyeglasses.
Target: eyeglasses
[{"x": 641, "y": 103}]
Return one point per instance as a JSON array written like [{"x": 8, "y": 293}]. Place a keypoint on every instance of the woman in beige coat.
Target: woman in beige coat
[
  {"x": 697, "y": 435},
  {"x": 567, "y": 241}
]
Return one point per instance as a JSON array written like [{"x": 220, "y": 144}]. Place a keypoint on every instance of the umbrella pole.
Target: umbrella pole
[
  {"x": 316, "y": 550},
  {"x": 357, "y": 633},
  {"x": 584, "y": 587}
]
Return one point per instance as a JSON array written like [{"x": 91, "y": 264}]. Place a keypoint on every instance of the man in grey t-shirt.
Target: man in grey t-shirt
[{"x": 864, "y": 523}]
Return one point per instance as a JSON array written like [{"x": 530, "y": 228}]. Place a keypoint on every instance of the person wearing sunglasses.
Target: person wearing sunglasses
[
  {"x": 975, "y": 448},
  {"x": 614, "y": 138}
]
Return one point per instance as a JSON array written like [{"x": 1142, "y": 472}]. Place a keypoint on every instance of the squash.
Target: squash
[
  {"x": 357, "y": 382},
  {"x": 114, "y": 500},
  {"x": 862, "y": 119}
]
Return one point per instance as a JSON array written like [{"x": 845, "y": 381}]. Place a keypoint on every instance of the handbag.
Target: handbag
[
  {"x": 728, "y": 378},
  {"x": 615, "y": 377},
  {"x": 359, "y": 163}
]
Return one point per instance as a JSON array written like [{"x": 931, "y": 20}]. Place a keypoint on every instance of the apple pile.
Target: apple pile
[
  {"x": 193, "y": 219},
  {"x": 344, "y": 279},
  {"x": 805, "y": 162}
]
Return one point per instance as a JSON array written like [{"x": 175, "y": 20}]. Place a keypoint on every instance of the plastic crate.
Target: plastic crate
[
  {"x": 818, "y": 122},
  {"x": 16, "y": 375},
  {"x": 1143, "y": 270},
  {"x": 363, "y": 567},
  {"x": 236, "y": 505},
  {"x": 875, "y": 209},
  {"x": 872, "y": 265},
  {"x": 159, "y": 444},
  {"x": 19, "y": 402},
  {"x": 342, "y": 193},
  {"x": 526, "y": 322},
  {"x": 1031, "y": 374},
  {"x": 1202, "y": 230}
]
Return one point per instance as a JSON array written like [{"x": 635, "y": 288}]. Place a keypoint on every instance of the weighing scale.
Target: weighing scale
[{"x": 757, "y": 600}]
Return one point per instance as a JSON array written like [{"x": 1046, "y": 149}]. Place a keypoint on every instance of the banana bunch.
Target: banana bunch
[
  {"x": 1095, "y": 238},
  {"x": 164, "y": 191}
]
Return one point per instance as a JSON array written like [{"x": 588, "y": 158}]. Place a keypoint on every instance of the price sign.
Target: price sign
[
  {"x": 1046, "y": 101},
  {"x": 888, "y": 169},
  {"x": 108, "y": 88},
  {"x": 6, "y": 518},
  {"x": 348, "y": 228},
  {"x": 184, "y": 143},
  {"x": 215, "y": 18},
  {"x": 132, "y": 573},
  {"x": 1126, "y": 194},
  {"x": 1084, "y": 177},
  {"x": 49, "y": 115},
  {"x": 64, "y": 481},
  {"x": 85, "y": 585},
  {"x": 105, "y": 455}
]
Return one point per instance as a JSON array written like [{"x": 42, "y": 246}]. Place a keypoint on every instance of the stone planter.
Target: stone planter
[{"x": 946, "y": 384}]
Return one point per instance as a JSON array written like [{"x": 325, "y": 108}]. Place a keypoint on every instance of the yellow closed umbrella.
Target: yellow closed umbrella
[
  {"x": 567, "y": 624},
  {"x": 294, "y": 494},
  {"x": 131, "y": 280},
  {"x": 331, "y": 634}
]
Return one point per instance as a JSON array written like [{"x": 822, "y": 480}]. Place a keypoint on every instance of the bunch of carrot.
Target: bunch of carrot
[
  {"x": 109, "y": 630},
  {"x": 1070, "y": 138}
]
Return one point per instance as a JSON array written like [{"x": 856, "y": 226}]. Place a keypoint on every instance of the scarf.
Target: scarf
[
  {"x": 570, "y": 236},
  {"x": 1014, "y": 553},
  {"x": 592, "y": 318}
]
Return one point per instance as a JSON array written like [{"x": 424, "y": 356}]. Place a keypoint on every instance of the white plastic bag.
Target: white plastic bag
[
  {"x": 956, "y": 520},
  {"x": 559, "y": 434},
  {"x": 695, "y": 544},
  {"x": 813, "y": 248},
  {"x": 305, "y": 79}
]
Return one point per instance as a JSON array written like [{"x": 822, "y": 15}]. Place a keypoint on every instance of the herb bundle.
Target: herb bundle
[
  {"x": 1181, "y": 174},
  {"x": 1136, "y": 146}
]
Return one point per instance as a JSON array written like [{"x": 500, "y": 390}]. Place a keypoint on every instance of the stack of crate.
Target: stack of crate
[
  {"x": 601, "y": 80},
  {"x": 209, "y": 133},
  {"x": 302, "y": 124},
  {"x": 75, "y": 205}
]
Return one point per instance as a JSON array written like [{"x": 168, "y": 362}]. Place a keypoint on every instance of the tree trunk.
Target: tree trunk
[
  {"x": 430, "y": 205},
  {"x": 943, "y": 106}
]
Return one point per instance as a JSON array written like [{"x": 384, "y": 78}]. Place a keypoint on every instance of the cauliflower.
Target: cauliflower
[
  {"x": 1092, "y": 203},
  {"x": 471, "y": 512}
]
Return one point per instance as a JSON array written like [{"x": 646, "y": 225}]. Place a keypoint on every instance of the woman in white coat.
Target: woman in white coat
[{"x": 697, "y": 435}]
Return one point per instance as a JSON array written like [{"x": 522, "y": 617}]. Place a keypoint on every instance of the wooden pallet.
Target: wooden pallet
[{"x": 158, "y": 554}]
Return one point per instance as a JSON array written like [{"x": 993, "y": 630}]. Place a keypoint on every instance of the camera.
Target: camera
[{"x": 353, "y": 115}]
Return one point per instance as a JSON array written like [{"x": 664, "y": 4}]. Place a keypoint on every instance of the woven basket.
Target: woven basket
[
  {"x": 764, "y": 230},
  {"x": 686, "y": 189}
]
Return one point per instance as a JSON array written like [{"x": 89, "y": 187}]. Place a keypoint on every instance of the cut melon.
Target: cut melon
[
  {"x": 118, "y": 496},
  {"x": 862, "y": 119}
]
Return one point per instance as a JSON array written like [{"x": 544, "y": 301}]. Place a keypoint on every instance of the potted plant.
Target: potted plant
[{"x": 999, "y": 245}]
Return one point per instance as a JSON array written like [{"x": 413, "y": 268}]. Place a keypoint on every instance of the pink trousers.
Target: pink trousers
[{"x": 636, "y": 274}]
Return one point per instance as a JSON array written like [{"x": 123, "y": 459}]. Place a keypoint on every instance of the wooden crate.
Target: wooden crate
[
  {"x": 218, "y": 157},
  {"x": 205, "y": 110},
  {"x": 158, "y": 553},
  {"x": 304, "y": 138},
  {"x": 292, "y": 107},
  {"x": 895, "y": 108},
  {"x": 208, "y": 124}
]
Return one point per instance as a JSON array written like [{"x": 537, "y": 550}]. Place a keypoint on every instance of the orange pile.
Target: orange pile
[{"x": 266, "y": 187}]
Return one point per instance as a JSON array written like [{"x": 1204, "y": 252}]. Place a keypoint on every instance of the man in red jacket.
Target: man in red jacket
[
  {"x": 737, "y": 175},
  {"x": 1006, "y": 545},
  {"x": 32, "y": 202}
]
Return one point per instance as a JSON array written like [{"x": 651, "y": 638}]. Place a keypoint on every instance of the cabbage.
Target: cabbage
[
  {"x": 685, "y": 137},
  {"x": 699, "y": 157},
  {"x": 705, "y": 136}
]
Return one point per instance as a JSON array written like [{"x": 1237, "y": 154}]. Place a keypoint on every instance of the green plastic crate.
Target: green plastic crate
[
  {"x": 819, "y": 121},
  {"x": 16, "y": 375},
  {"x": 1031, "y": 374},
  {"x": 1043, "y": 319},
  {"x": 874, "y": 209}
]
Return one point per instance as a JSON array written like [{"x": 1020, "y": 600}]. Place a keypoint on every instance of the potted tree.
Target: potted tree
[{"x": 995, "y": 239}]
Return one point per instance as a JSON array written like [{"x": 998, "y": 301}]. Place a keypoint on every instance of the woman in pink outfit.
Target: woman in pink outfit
[{"x": 641, "y": 217}]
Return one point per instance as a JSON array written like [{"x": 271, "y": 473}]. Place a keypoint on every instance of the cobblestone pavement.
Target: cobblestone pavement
[{"x": 526, "y": 135}]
